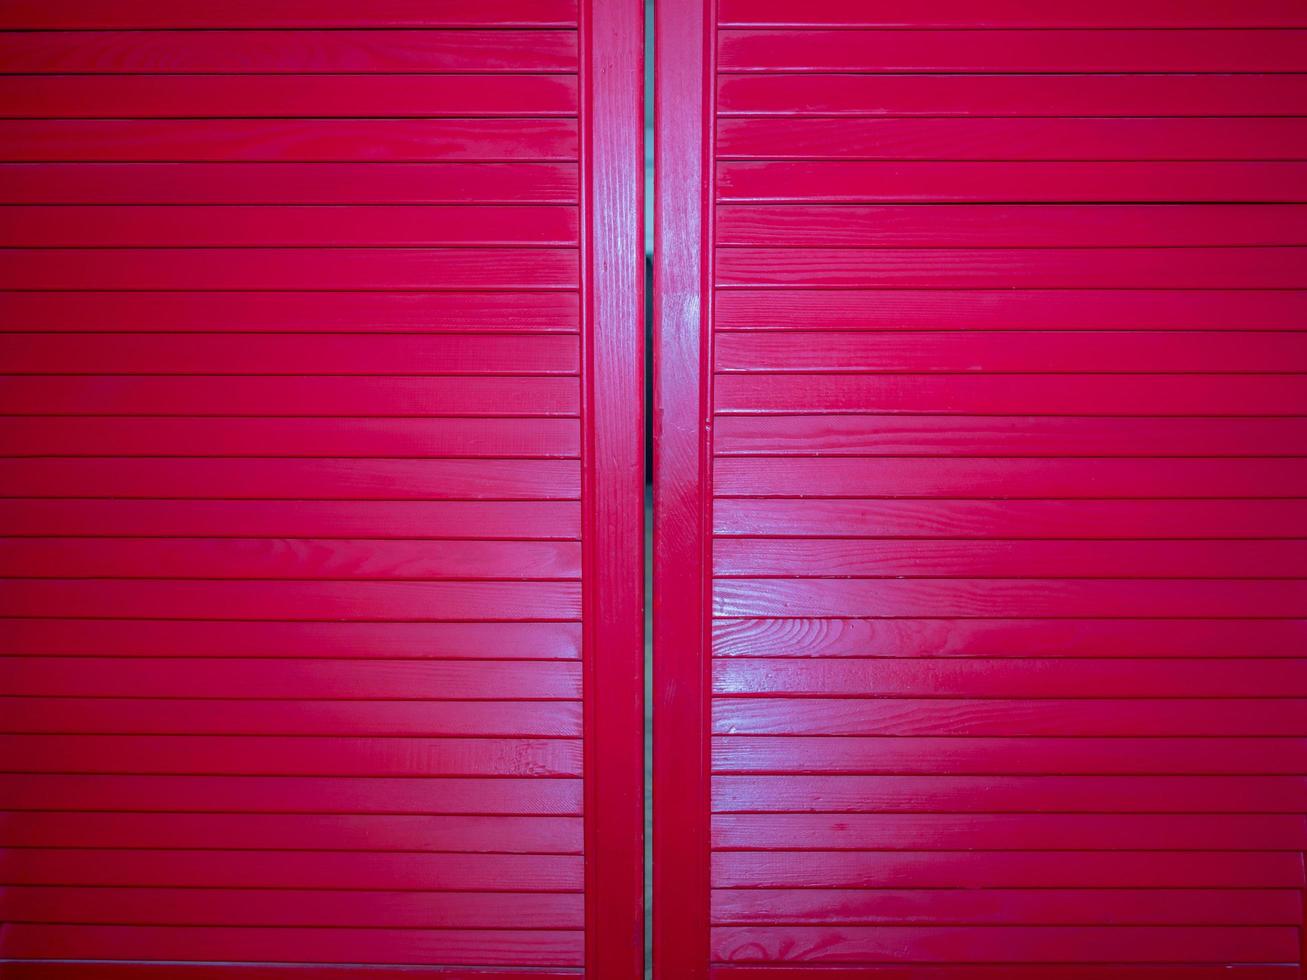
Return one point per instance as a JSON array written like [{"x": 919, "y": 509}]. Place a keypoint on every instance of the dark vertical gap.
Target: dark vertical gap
[{"x": 648, "y": 479}]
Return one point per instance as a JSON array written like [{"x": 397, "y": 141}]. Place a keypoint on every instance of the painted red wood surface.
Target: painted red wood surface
[
  {"x": 982, "y": 628},
  {"x": 320, "y": 449}
]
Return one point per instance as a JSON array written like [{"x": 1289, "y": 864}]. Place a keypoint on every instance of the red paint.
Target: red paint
[
  {"x": 322, "y": 439},
  {"x": 982, "y": 625}
]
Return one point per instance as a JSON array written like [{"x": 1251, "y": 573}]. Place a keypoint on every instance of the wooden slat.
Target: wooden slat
[
  {"x": 109, "y": 226},
  {"x": 1000, "y": 971},
  {"x": 1010, "y": 95},
  {"x": 1017, "y": 832},
  {"x": 838, "y": 181},
  {"x": 879, "y": 435},
  {"x": 310, "y": 52},
  {"x": 260, "y": 831},
  {"x": 246, "y": 96},
  {"x": 185, "y": 677}
]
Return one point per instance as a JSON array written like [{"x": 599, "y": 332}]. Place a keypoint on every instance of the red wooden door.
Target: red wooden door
[
  {"x": 321, "y": 398},
  {"x": 982, "y": 411}
]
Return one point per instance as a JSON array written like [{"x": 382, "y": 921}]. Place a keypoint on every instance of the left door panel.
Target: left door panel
[{"x": 320, "y": 426}]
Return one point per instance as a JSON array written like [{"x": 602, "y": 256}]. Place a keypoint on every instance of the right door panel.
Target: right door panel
[{"x": 989, "y": 426}]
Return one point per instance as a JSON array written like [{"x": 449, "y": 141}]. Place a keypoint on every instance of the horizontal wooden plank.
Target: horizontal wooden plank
[
  {"x": 977, "y": 225},
  {"x": 289, "y": 396},
  {"x": 185, "y": 677},
  {"x": 839, "y": 181},
  {"x": 1010, "y": 477},
  {"x": 1091, "y": 638},
  {"x": 136, "y": 970},
  {"x": 361, "y": 601},
  {"x": 167, "y": 311},
  {"x": 912, "y": 49},
  {"x": 1027, "y": 394},
  {"x": 312, "y": 641},
  {"x": 1013, "y": 13},
  {"x": 1050, "y": 352},
  {"x": 273, "y": 268},
  {"x": 317, "y": 908},
  {"x": 309, "y": 52},
  {"x": 293, "y": 479},
  {"x": 1001, "y": 794},
  {"x": 1077, "y": 715},
  {"x": 93, "y": 96},
  {"x": 85, "y": 14},
  {"x": 290, "y": 354},
  {"x": 1017, "y": 832},
  {"x": 518, "y": 947},
  {"x": 1006, "y": 869},
  {"x": 971, "y": 138},
  {"x": 269, "y": 225},
  {"x": 880, "y": 435},
  {"x": 264, "y": 831},
  {"x": 291, "y": 869},
  {"x": 1077, "y": 268},
  {"x": 999, "y": 559},
  {"x": 1007, "y": 309},
  {"x": 1007, "y": 906},
  {"x": 1008, "y": 678},
  {"x": 980, "y": 756},
  {"x": 982, "y": 598},
  {"x": 288, "y": 716},
  {"x": 1057, "y": 944},
  {"x": 293, "y": 794},
  {"x": 288, "y": 183},
  {"x": 410, "y": 438},
  {"x": 1003, "y": 971},
  {"x": 481, "y": 519},
  {"x": 1011, "y": 95},
  {"x": 267, "y": 140}
]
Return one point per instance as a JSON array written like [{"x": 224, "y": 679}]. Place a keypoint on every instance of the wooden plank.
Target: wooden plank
[
  {"x": 997, "y": 95},
  {"x": 517, "y": 947},
  {"x": 406, "y": 438},
  {"x": 265, "y": 831},
  {"x": 295, "y": 479},
  {"x": 1102, "y": 944},
  {"x": 293, "y": 794},
  {"x": 264, "y": 354},
  {"x": 184, "y": 677},
  {"x": 1027, "y": 394},
  {"x": 272, "y": 268},
  {"x": 288, "y": 183},
  {"x": 1010, "y": 477},
  {"x": 753, "y": 557},
  {"x": 320, "y": 908},
  {"x": 1007, "y": 869},
  {"x": 1013, "y": 755},
  {"x": 361, "y": 601},
  {"x": 970, "y": 138},
  {"x": 272, "y": 52},
  {"x": 1028, "y": 225},
  {"x": 311, "y": 95},
  {"x": 1003, "y": 794},
  {"x": 1009, "y": 309},
  {"x": 1003, "y": 971},
  {"x": 288, "y": 716},
  {"x": 99, "y": 14},
  {"x": 289, "y": 396},
  {"x": 1006, "y": 351},
  {"x": 270, "y": 225},
  {"x": 1017, "y": 832},
  {"x": 453, "y": 519},
  {"x": 1019, "y": 182},
  {"x": 1000, "y": 51},
  {"x": 107, "y": 970},
  {"x": 170, "y": 311},
  {"x": 924, "y": 435},
  {"x": 1090, "y": 638},
  {"x": 1109, "y": 715},
  {"x": 1077, "y": 268}
]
